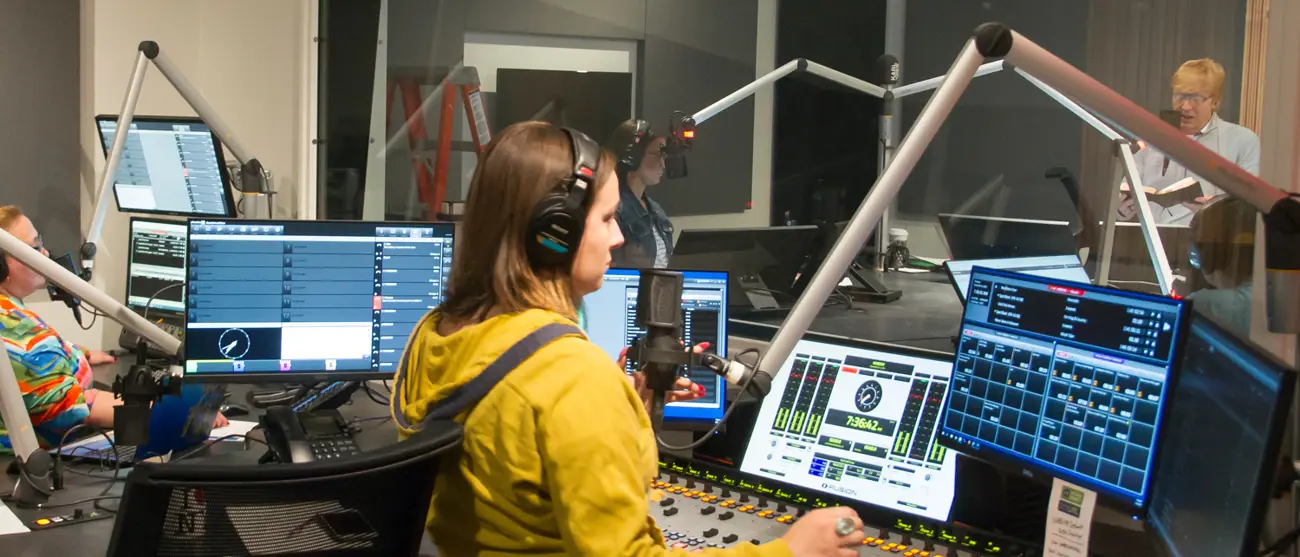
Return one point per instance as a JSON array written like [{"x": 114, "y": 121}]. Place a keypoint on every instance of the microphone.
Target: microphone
[
  {"x": 659, "y": 350},
  {"x": 681, "y": 137},
  {"x": 736, "y": 373},
  {"x": 888, "y": 71},
  {"x": 58, "y": 294}
]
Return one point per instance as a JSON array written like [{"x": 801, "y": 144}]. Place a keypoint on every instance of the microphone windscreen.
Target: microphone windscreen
[
  {"x": 887, "y": 70},
  {"x": 659, "y": 299}
]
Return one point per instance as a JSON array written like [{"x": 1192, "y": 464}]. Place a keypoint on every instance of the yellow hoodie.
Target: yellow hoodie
[{"x": 557, "y": 459}]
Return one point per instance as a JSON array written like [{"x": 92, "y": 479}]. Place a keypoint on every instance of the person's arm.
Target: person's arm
[
  {"x": 1248, "y": 160},
  {"x": 598, "y": 475}
]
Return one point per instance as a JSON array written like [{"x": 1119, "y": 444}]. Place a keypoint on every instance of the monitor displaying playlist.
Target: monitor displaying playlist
[
  {"x": 1063, "y": 379},
  {"x": 1215, "y": 475},
  {"x": 155, "y": 267},
  {"x": 169, "y": 166},
  {"x": 859, "y": 424},
  {"x": 308, "y": 300},
  {"x": 1064, "y": 267},
  {"x": 609, "y": 316}
]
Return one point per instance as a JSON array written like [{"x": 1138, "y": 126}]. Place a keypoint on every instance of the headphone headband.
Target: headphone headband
[{"x": 630, "y": 146}]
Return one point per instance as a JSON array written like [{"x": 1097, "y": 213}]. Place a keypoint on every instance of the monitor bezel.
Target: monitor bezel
[
  {"x": 226, "y": 185},
  {"x": 696, "y": 423},
  {"x": 166, "y": 314},
  {"x": 878, "y": 514},
  {"x": 952, "y": 277},
  {"x": 1265, "y": 479},
  {"x": 291, "y": 377},
  {"x": 1031, "y": 468}
]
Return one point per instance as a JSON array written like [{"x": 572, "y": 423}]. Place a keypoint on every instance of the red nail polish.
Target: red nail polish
[{"x": 705, "y": 345}]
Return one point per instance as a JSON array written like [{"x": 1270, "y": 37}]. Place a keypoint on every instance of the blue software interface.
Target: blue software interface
[
  {"x": 291, "y": 297},
  {"x": 1064, "y": 379},
  {"x": 609, "y": 318}
]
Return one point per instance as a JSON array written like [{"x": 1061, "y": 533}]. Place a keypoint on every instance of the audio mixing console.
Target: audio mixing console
[{"x": 701, "y": 506}]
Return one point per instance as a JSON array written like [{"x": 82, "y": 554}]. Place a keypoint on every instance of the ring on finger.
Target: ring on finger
[{"x": 845, "y": 526}]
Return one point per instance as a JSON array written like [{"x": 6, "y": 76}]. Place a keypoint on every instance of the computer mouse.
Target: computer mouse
[{"x": 232, "y": 410}]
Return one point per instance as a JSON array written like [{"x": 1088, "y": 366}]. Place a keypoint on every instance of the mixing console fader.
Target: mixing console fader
[{"x": 698, "y": 514}]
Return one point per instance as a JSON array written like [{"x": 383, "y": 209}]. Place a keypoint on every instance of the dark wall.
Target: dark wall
[
  {"x": 692, "y": 54},
  {"x": 825, "y": 136},
  {"x": 1002, "y": 125},
  {"x": 40, "y": 117}
]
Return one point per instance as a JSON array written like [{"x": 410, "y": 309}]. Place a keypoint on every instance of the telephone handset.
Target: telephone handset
[{"x": 294, "y": 437}]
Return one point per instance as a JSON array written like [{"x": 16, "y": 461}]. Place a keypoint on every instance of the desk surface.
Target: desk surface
[
  {"x": 926, "y": 316},
  {"x": 91, "y": 538}
]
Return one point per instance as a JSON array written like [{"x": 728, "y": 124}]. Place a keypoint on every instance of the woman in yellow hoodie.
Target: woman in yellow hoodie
[{"x": 558, "y": 457}]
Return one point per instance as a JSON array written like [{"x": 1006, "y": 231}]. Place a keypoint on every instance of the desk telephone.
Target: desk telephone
[{"x": 304, "y": 437}]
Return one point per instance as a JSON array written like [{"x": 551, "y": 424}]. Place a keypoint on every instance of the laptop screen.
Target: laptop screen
[{"x": 1064, "y": 267}]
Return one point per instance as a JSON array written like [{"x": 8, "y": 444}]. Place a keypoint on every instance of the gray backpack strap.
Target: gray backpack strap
[{"x": 469, "y": 394}]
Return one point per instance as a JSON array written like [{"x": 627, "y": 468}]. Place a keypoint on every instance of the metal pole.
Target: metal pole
[
  {"x": 90, "y": 295},
  {"x": 840, "y": 78},
  {"x": 934, "y": 82},
  {"x": 106, "y": 179},
  {"x": 740, "y": 94},
  {"x": 1107, "y": 247},
  {"x": 1155, "y": 246},
  {"x": 196, "y": 101},
  {"x": 873, "y": 206},
  {"x": 22, "y": 438}
]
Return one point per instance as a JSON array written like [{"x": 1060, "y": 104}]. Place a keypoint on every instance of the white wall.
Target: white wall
[{"x": 244, "y": 56}]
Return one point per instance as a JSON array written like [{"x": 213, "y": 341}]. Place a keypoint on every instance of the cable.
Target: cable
[
  {"x": 373, "y": 395},
  {"x": 212, "y": 442},
  {"x": 58, "y": 452},
  {"x": 725, "y": 415},
  {"x": 149, "y": 303},
  {"x": 78, "y": 502},
  {"x": 1282, "y": 544},
  {"x": 94, "y": 316}
]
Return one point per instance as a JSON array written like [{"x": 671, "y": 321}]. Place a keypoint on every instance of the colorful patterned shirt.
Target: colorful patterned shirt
[{"x": 53, "y": 374}]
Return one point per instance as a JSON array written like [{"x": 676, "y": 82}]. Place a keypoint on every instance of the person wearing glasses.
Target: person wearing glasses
[
  {"x": 647, "y": 232},
  {"x": 1197, "y": 95},
  {"x": 54, "y": 375}
]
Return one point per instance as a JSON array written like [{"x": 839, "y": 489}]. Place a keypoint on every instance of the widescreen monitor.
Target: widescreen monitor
[
  {"x": 1062, "y": 379},
  {"x": 155, "y": 267},
  {"x": 859, "y": 424},
  {"x": 170, "y": 165},
  {"x": 306, "y": 301},
  {"x": 1221, "y": 444},
  {"x": 1064, "y": 267}
]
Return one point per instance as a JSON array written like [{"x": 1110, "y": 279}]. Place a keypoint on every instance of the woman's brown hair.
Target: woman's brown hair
[{"x": 491, "y": 270}]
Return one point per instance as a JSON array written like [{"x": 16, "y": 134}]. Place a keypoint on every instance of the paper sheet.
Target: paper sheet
[
  {"x": 236, "y": 427},
  {"x": 1069, "y": 520},
  {"x": 9, "y": 523}
]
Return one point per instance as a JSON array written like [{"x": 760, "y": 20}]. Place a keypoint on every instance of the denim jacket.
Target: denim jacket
[{"x": 639, "y": 226}]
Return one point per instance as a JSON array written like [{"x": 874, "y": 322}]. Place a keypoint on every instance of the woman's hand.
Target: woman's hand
[
  {"x": 221, "y": 421},
  {"x": 683, "y": 389},
  {"x": 99, "y": 358},
  {"x": 815, "y": 534}
]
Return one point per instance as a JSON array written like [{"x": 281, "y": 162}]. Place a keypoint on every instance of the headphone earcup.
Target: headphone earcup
[
  {"x": 4, "y": 267},
  {"x": 554, "y": 232}
]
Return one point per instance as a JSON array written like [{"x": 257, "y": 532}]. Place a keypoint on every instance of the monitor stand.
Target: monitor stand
[{"x": 867, "y": 287}]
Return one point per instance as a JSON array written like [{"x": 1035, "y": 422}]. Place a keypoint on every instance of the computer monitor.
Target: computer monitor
[
  {"x": 155, "y": 266},
  {"x": 976, "y": 237},
  {"x": 609, "y": 318},
  {"x": 305, "y": 301},
  {"x": 860, "y": 424},
  {"x": 1064, "y": 267},
  {"x": 760, "y": 261},
  {"x": 1064, "y": 379},
  {"x": 1221, "y": 444},
  {"x": 170, "y": 165}
]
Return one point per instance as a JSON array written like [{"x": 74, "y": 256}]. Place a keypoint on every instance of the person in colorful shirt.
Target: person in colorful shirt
[{"x": 53, "y": 374}]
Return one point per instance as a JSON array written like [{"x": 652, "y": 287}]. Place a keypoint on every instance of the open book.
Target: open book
[{"x": 1170, "y": 194}]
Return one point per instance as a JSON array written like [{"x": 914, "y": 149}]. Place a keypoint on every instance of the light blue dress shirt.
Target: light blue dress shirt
[{"x": 1235, "y": 143}]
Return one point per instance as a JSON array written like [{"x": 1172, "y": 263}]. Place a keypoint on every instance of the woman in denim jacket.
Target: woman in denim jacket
[{"x": 647, "y": 232}]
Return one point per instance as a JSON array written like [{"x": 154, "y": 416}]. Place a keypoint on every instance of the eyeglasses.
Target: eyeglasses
[
  {"x": 1196, "y": 99},
  {"x": 40, "y": 243}
]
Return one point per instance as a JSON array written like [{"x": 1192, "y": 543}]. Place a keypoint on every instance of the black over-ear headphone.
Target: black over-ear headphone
[
  {"x": 555, "y": 230},
  {"x": 629, "y": 144},
  {"x": 4, "y": 266}
]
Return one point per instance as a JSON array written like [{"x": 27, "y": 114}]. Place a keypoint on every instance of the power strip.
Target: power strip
[{"x": 78, "y": 516}]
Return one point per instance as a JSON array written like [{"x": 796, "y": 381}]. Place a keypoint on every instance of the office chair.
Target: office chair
[{"x": 373, "y": 503}]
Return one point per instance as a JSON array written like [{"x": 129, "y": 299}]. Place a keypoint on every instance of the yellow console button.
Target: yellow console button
[{"x": 42, "y": 522}]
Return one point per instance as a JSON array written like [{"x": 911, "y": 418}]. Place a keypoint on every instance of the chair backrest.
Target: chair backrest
[{"x": 375, "y": 503}]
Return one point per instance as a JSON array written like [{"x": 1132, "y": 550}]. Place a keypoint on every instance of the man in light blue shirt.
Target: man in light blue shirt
[{"x": 1198, "y": 92}]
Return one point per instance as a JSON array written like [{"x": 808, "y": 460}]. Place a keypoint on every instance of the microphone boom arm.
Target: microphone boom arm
[{"x": 35, "y": 464}]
